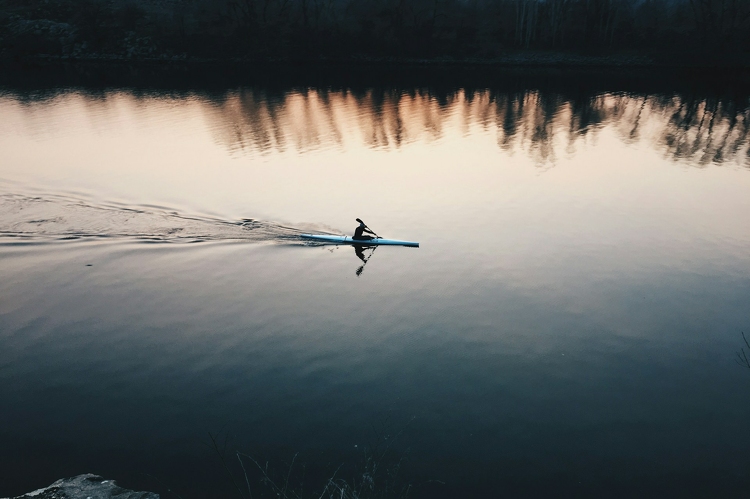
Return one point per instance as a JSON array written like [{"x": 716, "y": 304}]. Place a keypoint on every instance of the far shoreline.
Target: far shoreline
[
  {"x": 509, "y": 59},
  {"x": 540, "y": 70}
]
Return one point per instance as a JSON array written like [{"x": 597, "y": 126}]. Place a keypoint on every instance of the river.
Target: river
[{"x": 569, "y": 326}]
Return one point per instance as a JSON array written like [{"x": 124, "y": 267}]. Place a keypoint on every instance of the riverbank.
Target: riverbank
[
  {"x": 86, "y": 486},
  {"x": 510, "y": 59},
  {"x": 43, "y": 75}
]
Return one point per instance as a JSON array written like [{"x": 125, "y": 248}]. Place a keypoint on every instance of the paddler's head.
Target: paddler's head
[{"x": 360, "y": 221}]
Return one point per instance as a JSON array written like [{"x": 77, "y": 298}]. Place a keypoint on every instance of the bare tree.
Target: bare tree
[
  {"x": 558, "y": 11},
  {"x": 526, "y": 21}
]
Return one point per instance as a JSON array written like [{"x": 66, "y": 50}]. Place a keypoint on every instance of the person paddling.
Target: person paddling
[{"x": 358, "y": 232}]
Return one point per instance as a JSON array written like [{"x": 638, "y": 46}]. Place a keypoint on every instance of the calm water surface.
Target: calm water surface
[{"x": 568, "y": 326}]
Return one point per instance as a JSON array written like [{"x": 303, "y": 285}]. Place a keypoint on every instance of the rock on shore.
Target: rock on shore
[{"x": 86, "y": 487}]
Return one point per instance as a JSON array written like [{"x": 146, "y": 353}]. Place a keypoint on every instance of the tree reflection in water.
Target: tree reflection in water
[{"x": 542, "y": 124}]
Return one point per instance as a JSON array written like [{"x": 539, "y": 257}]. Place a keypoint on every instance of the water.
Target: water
[{"x": 568, "y": 327}]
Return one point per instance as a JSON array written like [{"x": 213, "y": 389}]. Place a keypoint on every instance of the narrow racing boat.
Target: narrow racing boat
[{"x": 378, "y": 241}]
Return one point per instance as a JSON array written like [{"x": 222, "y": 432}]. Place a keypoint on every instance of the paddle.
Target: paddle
[{"x": 366, "y": 227}]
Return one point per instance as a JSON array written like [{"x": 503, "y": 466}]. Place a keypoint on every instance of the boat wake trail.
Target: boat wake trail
[{"x": 65, "y": 218}]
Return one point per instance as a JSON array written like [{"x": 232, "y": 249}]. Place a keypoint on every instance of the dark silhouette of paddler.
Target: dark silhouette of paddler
[
  {"x": 361, "y": 229},
  {"x": 359, "y": 249}
]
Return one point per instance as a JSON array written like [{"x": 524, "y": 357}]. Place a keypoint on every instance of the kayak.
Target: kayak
[{"x": 324, "y": 238}]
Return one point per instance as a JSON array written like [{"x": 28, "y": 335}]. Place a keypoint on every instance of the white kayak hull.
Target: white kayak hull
[{"x": 326, "y": 239}]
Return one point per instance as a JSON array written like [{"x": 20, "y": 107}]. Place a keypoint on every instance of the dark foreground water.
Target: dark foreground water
[{"x": 569, "y": 326}]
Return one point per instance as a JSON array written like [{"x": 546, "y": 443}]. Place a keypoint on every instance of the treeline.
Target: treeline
[{"x": 346, "y": 29}]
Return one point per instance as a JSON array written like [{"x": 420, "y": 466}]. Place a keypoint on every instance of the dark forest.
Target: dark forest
[{"x": 692, "y": 31}]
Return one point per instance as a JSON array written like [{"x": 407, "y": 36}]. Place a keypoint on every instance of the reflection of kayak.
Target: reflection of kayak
[{"x": 323, "y": 238}]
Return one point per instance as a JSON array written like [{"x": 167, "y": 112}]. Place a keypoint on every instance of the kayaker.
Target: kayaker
[{"x": 362, "y": 228}]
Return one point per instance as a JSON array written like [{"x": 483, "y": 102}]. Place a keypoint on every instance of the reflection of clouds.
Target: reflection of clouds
[{"x": 542, "y": 125}]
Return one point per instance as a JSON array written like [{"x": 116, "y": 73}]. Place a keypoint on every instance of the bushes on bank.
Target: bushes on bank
[{"x": 313, "y": 29}]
